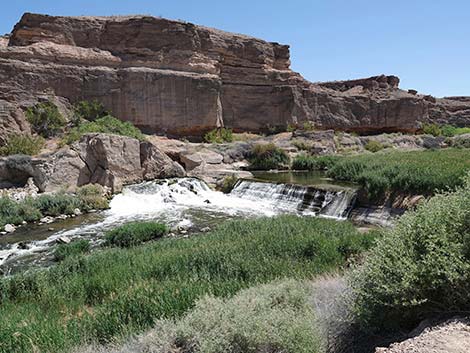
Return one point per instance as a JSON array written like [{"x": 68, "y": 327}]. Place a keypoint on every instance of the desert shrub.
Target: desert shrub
[
  {"x": 88, "y": 110},
  {"x": 92, "y": 197},
  {"x": 135, "y": 233},
  {"x": 108, "y": 125},
  {"x": 291, "y": 127},
  {"x": 374, "y": 146},
  {"x": 308, "y": 126},
  {"x": 302, "y": 145},
  {"x": 76, "y": 247},
  {"x": 419, "y": 268},
  {"x": 461, "y": 141},
  {"x": 267, "y": 156},
  {"x": 22, "y": 144},
  {"x": 57, "y": 204},
  {"x": 305, "y": 162},
  {"x": 9, "y": 211},
  {"x": 228, "y": 183},
  {"x": 432, "y": 129},
  {"x": 219, "y": 136},
  {"x": 121, "y": 291},
  {"x": 45, "y": 119}
]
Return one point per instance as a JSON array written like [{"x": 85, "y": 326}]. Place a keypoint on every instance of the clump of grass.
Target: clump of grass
[
  {"x": 432, "y": 129},
  {"x": 219, "y": 136},
  {"x": 135, "y": 233},
  {"x": 419, "y": 268},
  {"x": 267, "y": 156},
  {"x": 22, "y": 144},
  {"x": 76, "y": 247},
  {"x": 305, "y": 162},
  {"x": 374, "y": 146},
  {"x": 107, "y": 124},
  {"x": 45, "y": 119},
  {"x": 57, "y": 204},
  {"x": 92, "y": 197},
  {"x": 117, "y": 291},
  {"x": 302, "y": 145},
  {"x": 89, "y": 111},
  {"x": 308, "y": 126}
]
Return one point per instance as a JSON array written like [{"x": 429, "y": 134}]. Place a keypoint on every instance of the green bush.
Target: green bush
[
  {"x": 88, "y": 110},
  {"x": 420, "y": 268},
  {"x": 45, "y": 119},
  {"x": 308, "y": 126},
  {"x": 305, "y": 162},
  {"x": 92, "y": 197},
  {"x": 374, "y": 146},
  {"x": 219, "y": 136},
  {"x": 22, "y": 144},
  {"x": 121, "y": 291},
  {"x": 267, "y": 156},
  {"x": 108, "y": 125},
  {"x": 76, "y": 247},
  {"x": 450, "y": 130},
  {"x": 135, "y": 233},
  {"x": 432, "y": 129},
  {"x": 57, "y": 204}
]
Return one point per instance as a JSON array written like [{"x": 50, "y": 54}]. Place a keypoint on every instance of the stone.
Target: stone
[
  {"x": 46, "y": 220},
  {"x": 9, "y": 228},
  {"x": 156, "y": 164},
  {"x": 192, "y": 79},
  {"x": 193, "y": 159},
  {"x": 77, "y": 212},
  {"x": 63, "y": 240}
]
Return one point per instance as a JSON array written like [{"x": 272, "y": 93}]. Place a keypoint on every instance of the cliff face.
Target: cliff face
[{"x": 181, "y": 79}]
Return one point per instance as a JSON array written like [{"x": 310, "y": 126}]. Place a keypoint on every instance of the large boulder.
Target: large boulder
[
  {"x": 193, "y": 159},
  {"x": 156, "y": 164}
]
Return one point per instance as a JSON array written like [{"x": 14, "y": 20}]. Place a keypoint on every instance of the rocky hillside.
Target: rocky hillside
[{"x": 182, "y": 79}]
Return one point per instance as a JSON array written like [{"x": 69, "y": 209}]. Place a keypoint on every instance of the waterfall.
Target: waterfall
[{"x": 303, "y": 199}]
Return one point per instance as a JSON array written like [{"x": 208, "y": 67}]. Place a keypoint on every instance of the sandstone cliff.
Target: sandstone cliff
[{"x": 176, "y": 78}]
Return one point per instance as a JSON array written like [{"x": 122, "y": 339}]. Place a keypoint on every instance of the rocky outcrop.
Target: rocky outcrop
[
  {"x": 176, "y": 78},
  {"x": 108, "y": 160}
]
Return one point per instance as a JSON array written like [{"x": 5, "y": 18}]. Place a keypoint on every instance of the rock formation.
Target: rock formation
[{"x": 176, "y": 78}]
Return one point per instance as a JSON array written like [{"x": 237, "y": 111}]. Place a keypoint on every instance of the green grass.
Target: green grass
[
  {"x": 118, "y": 291},
  {"x": 421, "y": 172},
  {"x": 135, "y": 233},
  {"x": 22, "y": 144},
  {"x": 219, "y": 136},
  {"x": 420, "y": 268},
  {"x": 76, "y": 247},
  {"x": 267, "y": 156}
]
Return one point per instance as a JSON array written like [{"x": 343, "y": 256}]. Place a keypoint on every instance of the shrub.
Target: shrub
[
  {"x": 308, "y": 126},
  {"x": 450, "y": 130},
  {"x": 22, "y": 144},
  {"x": 291, "y": 127},
  {"x": 107, "y": 125},
  {"x": 219, "y": 136},
  {"x": 92, "y": 197},
  {"x": 374, "y": 146},
  {"x": 135, "y": 233},
  {"x": 461, "y": 141},
  {"x": 267, "y": 156},
  {"x": 9, "y": 211},
  {"x": 419, "y": 268},
  {"x": 76, "y": 247},
  {"x": 432, "y": 129},
  {"x": 302, "y": 145},
  {"x": 305, "y": 162},
  {"x": 45, "y": 119},
  {"x": 228, "y": 183},
  {"x": 89, "y": 110},
  {"x": 57, "y": 204}
]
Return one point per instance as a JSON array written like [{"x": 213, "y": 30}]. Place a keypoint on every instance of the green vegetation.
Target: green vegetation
[
  {"x": 33, "y": 209},
  {"x": 135, "y": 233},
  {"x": 89, "y": 111},
  {"x": 119, "y": 291},
  {"x": 45, "y": 119},
  {"x": 432, "y": 129},
  {"x": 219, "y": 136},
  {"x": 419, "y": 268},
  {"x": 267, "y": 156},
  {"x": 374, "y": 146},
  {"x": 415, "y": 171},
  {"x": 308, "y": 126},
  {"x": 445, "y": 130},
  {"x": 22, "y": 144},
  {"x": 76, "y": 247},
  {"x": 228, "y": 183},
  {"x": 108, "y": 125}
]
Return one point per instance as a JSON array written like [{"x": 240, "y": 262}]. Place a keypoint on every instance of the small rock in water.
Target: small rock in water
[
  {"x": 183, "y": 231},
  {"x": 62, "y": 216},
  {"x": 47, "y": 219},
  {"x": 23, "y": 246},
  {"x": 24, "y": 222},
  {"x": 63, "y": 240},
  {"x": 9, "y": 228},
  {"x": 50, "y": 229},
  {"x": 207, "y": 201},
  {"x": 3, "y": 233},
  {"x": 205, "y": 229},
  {"x": 77, "y": 212}
]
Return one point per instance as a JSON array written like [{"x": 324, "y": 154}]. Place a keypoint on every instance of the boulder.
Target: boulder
[
  {"x": 156, "y": 164},
  {"x": 194, "y": 159},
  {"x": 9, "y": 228}
]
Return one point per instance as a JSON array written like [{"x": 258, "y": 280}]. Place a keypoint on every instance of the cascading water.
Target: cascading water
[
  {"x": 306, "y": 200},
  {"x": 190, "y": 203}
]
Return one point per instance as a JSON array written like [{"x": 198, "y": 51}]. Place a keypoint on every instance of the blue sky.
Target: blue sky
[{"x": 426, "y": 43}]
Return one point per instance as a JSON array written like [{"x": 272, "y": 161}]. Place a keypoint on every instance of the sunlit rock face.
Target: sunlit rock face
[{"x": 181, "y": 79}]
